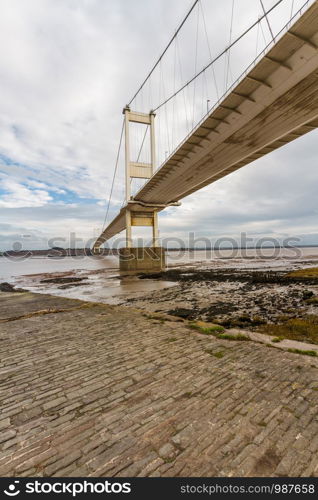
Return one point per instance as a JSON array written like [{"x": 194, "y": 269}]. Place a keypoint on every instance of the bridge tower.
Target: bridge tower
[{"x": 136, "y": 213}]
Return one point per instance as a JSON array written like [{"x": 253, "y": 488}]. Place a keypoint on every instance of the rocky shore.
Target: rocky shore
[{"x": 238, "y": 298}]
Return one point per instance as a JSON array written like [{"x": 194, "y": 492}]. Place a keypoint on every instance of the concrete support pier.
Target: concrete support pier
[
  {"x": 149, "y": 259},
  {"x": 138, "y": 213}
]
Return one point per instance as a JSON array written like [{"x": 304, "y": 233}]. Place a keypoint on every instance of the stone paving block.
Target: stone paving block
[
  {"x": 35, "y": 460},
  {"x": 167, "y": 451},
  {"x": 53, "y": 403},
  {"x": 62, "y": 463},
  {"x": 5, "y": 423},
  {"x": 5, "y": 436}
]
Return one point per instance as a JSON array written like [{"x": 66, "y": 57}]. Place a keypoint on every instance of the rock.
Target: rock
[
  {"x": 70, "y": 285},
  {"x": 7, "y": 287},
  {"x": 71, "y": 279},
  {"x": 182, "y": 313}
]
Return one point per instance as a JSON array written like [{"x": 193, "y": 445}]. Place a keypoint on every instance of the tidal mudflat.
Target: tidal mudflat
[{"x": 279, "y": 303}]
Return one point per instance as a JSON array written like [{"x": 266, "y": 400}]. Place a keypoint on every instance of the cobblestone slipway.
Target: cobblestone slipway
[{"x": 97, "y": 390}]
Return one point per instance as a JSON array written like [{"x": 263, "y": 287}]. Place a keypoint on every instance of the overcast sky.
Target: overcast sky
[{"x": 67, "y": 68}]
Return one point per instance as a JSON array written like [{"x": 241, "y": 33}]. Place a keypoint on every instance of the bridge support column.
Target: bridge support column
[
  {"x": 149, "y": 259},
  {"x": 155, "y": 232},
  {"x": 128, "y": 228},
  {"x": 142, "y": 259}
]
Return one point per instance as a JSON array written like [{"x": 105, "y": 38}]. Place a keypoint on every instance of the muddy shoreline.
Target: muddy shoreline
[
  {"x": 236, "y": 298},
  {"x": 230, "y": 274},
  {"x": 233, "y": 293}
]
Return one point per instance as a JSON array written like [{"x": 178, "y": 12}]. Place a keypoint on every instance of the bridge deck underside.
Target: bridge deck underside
[{"x": 274, "y": 104}]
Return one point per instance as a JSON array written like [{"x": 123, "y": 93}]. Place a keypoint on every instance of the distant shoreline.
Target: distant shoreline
[{"x": 76, "y": 252}]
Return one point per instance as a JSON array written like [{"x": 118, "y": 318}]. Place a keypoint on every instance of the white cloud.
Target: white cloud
[
  {"x": 18, "y": 196},
  {"x": 42, "y": 185}
]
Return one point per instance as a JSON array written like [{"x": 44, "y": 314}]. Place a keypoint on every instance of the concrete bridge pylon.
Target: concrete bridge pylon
[{"x": 136, "y": 213}]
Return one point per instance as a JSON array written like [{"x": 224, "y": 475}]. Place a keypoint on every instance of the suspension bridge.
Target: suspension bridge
[{"x": 273, "y": 102}]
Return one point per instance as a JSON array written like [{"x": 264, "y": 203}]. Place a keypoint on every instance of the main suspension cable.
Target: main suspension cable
[
  {"x": 218, "y": 56},
  {"x": 268, "y": 23},
  {"x": 114, "y": 175},
  {"x": 165, "y": 50}
]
